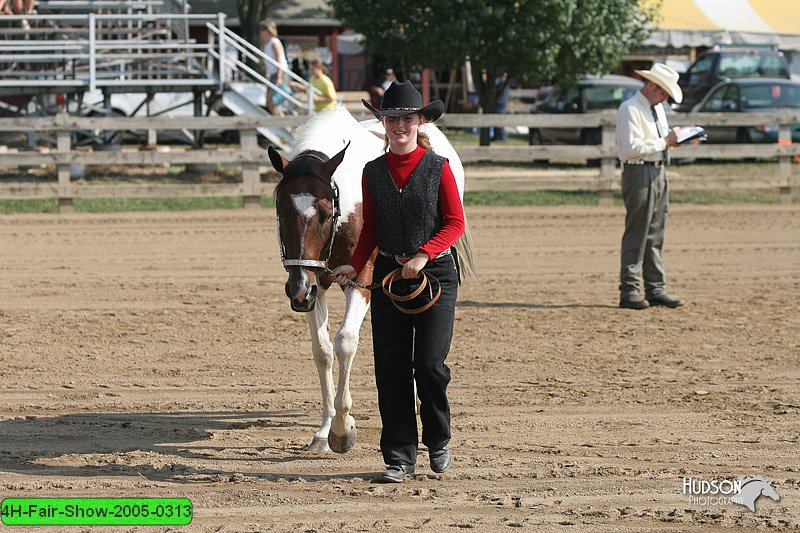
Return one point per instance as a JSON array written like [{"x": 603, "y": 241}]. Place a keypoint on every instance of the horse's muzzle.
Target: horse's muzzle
[{"x": 302, "y": 306}]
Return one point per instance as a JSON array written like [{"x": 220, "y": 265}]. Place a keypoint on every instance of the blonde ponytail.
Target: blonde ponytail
[{"x": 423, "y": 140}]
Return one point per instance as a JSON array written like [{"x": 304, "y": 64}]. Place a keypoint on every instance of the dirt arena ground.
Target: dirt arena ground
[{"x": 156, "y": 355}]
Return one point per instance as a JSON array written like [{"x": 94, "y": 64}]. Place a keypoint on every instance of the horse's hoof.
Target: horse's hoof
[
  {"x": 344, "y": 443},
  {"x": 318, "y": 445}
]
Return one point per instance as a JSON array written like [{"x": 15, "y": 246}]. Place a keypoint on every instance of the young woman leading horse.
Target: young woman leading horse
[{"x": 413, "y": 213}]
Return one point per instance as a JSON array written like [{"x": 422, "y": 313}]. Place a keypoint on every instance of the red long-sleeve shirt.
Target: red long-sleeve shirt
[{"x": 400, "y": 167}]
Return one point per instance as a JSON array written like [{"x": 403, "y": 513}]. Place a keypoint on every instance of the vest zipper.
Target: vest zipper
[{"x": 402, "y": 217}]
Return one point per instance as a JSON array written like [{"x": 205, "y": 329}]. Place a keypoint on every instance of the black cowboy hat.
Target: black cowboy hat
[{"x": 402, "y": 99}]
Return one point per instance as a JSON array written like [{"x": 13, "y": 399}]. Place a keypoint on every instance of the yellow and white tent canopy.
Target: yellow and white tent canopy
[{"x": 690, "y": 23}]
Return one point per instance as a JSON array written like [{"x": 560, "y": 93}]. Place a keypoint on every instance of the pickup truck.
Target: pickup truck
[{"x": 725, "y": 64}]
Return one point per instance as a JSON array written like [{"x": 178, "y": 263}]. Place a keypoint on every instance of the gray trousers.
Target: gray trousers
[{"x": 646, "y": 197}]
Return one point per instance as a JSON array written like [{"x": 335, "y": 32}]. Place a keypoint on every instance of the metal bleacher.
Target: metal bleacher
[
  {"x": 50, "y": 61},
  {"x": 77, "y": 45}
]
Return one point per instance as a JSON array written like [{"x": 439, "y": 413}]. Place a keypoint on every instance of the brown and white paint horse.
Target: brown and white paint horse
[{"x": 318, "y": 204}]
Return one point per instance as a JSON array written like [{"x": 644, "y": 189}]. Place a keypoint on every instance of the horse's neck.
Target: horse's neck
[{"x": 348, "y": 175}]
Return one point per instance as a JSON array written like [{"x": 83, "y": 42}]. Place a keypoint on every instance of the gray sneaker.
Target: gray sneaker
[
  {"x": 396, "y": 473},
  {"x": 440, "y": 459}
]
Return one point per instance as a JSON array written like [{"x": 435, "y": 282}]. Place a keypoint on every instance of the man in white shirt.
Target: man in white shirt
[{"x": 644, "y": 139}]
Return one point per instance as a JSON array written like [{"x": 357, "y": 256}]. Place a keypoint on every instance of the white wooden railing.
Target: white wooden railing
[{"x": 249, "y": 155}]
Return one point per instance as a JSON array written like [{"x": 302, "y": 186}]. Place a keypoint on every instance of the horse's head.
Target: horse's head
[
  {"x": 306, "y": 200},
  {"x": 769, "y": 491}
]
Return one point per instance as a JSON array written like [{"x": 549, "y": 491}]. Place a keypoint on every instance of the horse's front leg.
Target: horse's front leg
[
  {"x": 342, "y": 436},
  {"x": 323, "y": 359}
]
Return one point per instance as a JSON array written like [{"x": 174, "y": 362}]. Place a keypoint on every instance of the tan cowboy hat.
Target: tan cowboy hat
[{"x": 664, "y": 77}]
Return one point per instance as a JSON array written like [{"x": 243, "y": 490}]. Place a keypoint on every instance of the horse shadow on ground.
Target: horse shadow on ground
[
  {"x": 522, "y": 305},
  {"x": 147, "y": 445}
]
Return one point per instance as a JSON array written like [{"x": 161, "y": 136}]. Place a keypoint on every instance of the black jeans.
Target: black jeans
[{"x": 408, "y": 348}]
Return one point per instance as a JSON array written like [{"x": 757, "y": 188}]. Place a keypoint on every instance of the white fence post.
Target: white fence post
[
  {"x": 785, "y": 163},
  {"x": 607, "y": 164},
  {"x": 64, "y": 145},
  {"x": 251, "y": 178}
]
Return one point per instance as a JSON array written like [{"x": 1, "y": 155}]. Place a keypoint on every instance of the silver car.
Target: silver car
[
  {"x": 592, "y": 94},
  {"x": 750, "y": 95}
]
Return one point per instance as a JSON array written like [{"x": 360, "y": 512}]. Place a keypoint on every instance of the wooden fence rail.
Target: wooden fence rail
[{"x": 249, "y": 155}]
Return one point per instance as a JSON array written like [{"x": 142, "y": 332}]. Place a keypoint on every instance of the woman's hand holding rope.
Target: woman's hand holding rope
[{"x": 343, "y": 274}]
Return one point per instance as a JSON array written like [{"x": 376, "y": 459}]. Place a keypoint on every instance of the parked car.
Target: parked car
[
  {"x": 592, "y": 94},
  {"x": 751, "y": 95},
  {"x": 727, "y": 64}
]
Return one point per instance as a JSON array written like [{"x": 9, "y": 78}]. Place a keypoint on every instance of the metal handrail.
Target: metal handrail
[
  {"x": 258, "y": 77},
  {"x": 256, "y": 54}
]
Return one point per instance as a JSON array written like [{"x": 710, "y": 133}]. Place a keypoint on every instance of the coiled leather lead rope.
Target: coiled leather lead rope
[{"x": 427, "y": 280}]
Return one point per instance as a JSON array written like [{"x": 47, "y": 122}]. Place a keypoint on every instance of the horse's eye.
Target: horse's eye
[{"x": 323, "y": 216}]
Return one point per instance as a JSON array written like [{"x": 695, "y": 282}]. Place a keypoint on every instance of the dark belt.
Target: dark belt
[
  {"x": 645, "y": 163},
  {"x": 403, "y": 259}
]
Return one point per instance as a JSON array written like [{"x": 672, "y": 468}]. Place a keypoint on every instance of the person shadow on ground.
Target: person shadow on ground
[{"x": 173, "y": 447}]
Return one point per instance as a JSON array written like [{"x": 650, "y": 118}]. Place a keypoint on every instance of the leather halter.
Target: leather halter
[{"x": 312, "y": 263}]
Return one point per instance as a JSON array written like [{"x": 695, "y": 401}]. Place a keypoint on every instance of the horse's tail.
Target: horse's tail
[{"x": 465, "y": 253}]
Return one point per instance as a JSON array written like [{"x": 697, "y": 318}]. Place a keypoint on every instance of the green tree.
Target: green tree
[{"x": 530, "y": 40}]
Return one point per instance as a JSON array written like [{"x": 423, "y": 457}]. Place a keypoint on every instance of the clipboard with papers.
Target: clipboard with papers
[{"x": 690, "y": 133}]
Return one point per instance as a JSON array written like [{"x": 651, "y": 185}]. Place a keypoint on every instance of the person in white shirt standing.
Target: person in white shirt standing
[
  {"x": 273, "y": 48},
  {"x": 644, "y": 139}
]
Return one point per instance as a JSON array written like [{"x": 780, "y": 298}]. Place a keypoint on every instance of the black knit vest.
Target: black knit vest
[{"x": 410, "y": 217}]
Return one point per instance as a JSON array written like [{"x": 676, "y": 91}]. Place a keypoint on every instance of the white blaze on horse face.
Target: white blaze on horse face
[{"x": 304, "y": 203}]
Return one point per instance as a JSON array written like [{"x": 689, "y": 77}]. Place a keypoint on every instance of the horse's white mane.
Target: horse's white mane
[{"x": 328, "y": 132}]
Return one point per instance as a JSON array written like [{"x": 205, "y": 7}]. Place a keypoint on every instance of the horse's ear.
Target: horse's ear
[
  {"x": 278, "y": 161},
  {"x": 334, "y": 162}
]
